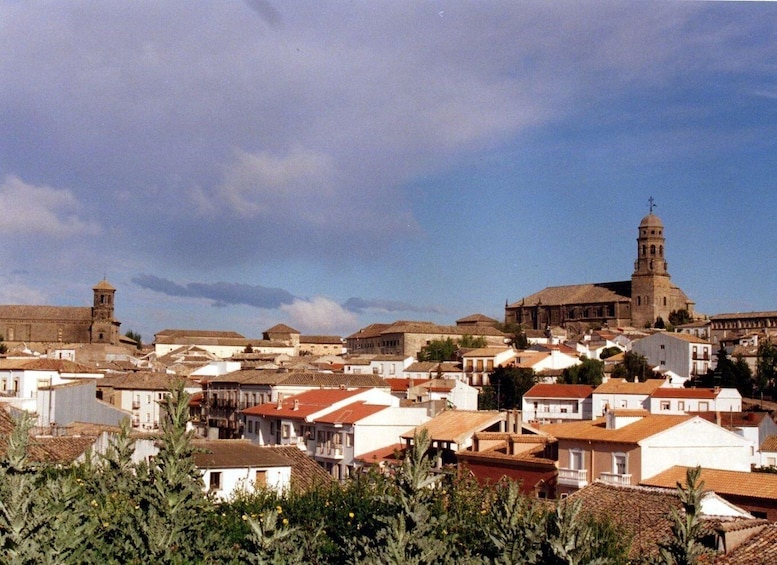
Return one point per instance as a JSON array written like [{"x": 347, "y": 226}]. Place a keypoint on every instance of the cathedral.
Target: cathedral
[
  {"x": 636, "y": 303},
  {"x": 47, "y": 325}
]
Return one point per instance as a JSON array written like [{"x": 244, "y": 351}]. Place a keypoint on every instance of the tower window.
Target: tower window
[{"x": 652, "y": 249}]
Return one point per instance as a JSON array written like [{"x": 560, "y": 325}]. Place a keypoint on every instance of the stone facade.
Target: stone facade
[
  {"x": 47, "y": 325},
  {"x": 638, "y": 302}
]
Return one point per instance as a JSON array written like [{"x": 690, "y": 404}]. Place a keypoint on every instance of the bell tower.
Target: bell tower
[
  {"x": 105, "y": 329},
  {"x": 651, "y": 287}
]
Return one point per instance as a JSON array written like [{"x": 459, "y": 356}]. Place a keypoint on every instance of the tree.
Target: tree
[
  {"x": 438, "y": 350},
  {"x": 685, "y": 547},
  {"x": 517, "y": 335},
  {"x": 680, "y": 317},
  {"x": 472, "y": 342},
  {"x": 3, "y": 347},
  {"x": 634, "y": 367},
  {"x": 506, "y": 388},
  {"x": 660, "y": 324},
  {"x": 134, "y": 336},
  {"x": 587, "y": 372},
  {"x": 728, "y": 373},
  {"x": 766, "y": 365},
  {"x": 608, "y": 352}
]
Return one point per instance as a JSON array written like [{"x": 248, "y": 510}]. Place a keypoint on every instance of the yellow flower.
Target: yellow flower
[
  {"x": 245, "y": 517},
  {"x": 285, "y": 521},
  {"x": 93, "y": 503},
  {"x": 350, "y": 515},
  {"x": 279, "y": 509}
]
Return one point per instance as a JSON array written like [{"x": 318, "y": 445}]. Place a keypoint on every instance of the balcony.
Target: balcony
[
  {"x": 577, "y": 478},
  {"x": 334, "y": 452},
  {"x": 615, "y": 479},
  {"x": 135, "y": 405}
]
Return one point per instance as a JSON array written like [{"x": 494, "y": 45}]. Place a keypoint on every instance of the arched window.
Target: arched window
[
  {"x": 652, "y": 249},
  {"x": 644, "y": 250},
  {"x": 639, "y": 301},
  {"x": 661, "y": 251},
  {"x": 664, "y": 300}
]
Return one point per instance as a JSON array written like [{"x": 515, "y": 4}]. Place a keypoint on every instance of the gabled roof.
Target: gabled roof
[
  {"x": 596, "y": 430},
  {"x": 700, "y": 393},
  {"x": 559, "y": 391},
  {"x": 724, "y": 483},
  {"x": 690, "y": 338},
  {"x": 485, "y": 352},
  {"x": 622, "y": 386},
  {"x": 306, "y": 474},
  {"x": 235, "y": 453},
  {"x": 617, "y": 291},
  {"x": 304, "y": 404},
  {"x": 44, "y": 313},
  {"x": 758, "y": 549},
  {"x": 644, "y": 514},
  {"x": 769, "y": 444},
  {"x": 140, "y": 380},
  {"x": 456, "y": 426},
  {"x": 350, "y": 414},
  {"x": 43, "y": 364},
  {"x": 477, "y": 319}
]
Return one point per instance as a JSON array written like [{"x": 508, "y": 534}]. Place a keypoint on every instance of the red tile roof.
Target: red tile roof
[
  {"x": 596, "y": 430},
  {"x": 739, "y": 483},
  {"x": 351, "y": 413},
  {"x": 559, "y": 391},
  {"x": 701, "y": 393},
  {"x": 306, "y": 403}
]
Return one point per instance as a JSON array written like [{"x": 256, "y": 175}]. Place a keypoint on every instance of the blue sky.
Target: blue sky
[{"x": 233, "y": 165}]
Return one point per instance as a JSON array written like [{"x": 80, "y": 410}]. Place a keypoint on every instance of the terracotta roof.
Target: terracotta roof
[
  {"x": 769, "y": 444},
  {"x": 739, "y": 315},
  {"x": 642, "y": 513},
  {"x": 62, "y": 450},
  {"x": 622, "y": 386},
  {"x": 456, "y": 425},
  {"x": 39, "y": 364},
  {"x": 310, "y": 379},
  {"x": 281, "y": 329},
  {"x": 477, "y": 319},
  {"x": 306, "y": 403},
  {"x": 390, "y": 453},
  {"x": 595, "y": 430},
  {"x": 739, "y": 483},
  {"x": 690, "y": 338},
  {"x": 46, "y": 313},
  {"x": 198, "y": 333},
  {"x": 306, "y": 474},
  {"x": 559, "y": 391},
  {"x": 758, "y": 549},
  {"x": 402, "y": 384},
  {"x": 485, "y": 351},
  {"x": 373, "y": 330},
  {"x": 578, "y": 294},
  {"x": 231, "y": 453},
  {"x": 139, "y": 380},
  {"x": 351, "y": 413},
  {"x": 321, "y": 339},
  {"x": 702, "y": 393}
]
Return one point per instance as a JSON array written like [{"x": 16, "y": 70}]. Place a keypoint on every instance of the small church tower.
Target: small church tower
[
  {"x": 652, "y": 293},
  {"x": 105, "y": 328}
]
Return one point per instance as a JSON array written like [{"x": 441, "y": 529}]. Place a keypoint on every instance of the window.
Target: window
[
  {"x": 704, "y": 406},
  {"x": 619, "y": 463},
  {"x": 260, "y": 480},
  {"x": 286, "y": 431},
  {"x": 576, "y": 461},
  {"x": 250, "y": 426},
  {"x": 665, "y": 405},
  {"x": 681, "y": 405},
  {"x": 215, "y": 480}
]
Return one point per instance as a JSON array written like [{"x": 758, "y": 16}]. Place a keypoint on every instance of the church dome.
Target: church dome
[{"x": 651, "y": 221}]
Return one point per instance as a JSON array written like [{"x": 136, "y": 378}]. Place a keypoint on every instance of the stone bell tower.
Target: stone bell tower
[
  {"x": 105, "y": 328},
  {"x": 652, "y": 294}
]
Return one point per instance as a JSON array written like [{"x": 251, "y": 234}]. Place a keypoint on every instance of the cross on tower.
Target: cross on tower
[{"x": 652, "y": 204}]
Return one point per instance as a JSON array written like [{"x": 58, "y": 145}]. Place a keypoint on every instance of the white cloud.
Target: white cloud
[
  {"x": 320, "y": 315},
  {"x": 40, "y": 210},
  {"x": 257, "y": 184}
]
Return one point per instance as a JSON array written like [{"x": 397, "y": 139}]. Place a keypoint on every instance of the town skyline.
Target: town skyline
[{"x": 234, "y": 167}]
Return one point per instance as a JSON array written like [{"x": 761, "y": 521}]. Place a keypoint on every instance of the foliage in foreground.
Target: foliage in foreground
[{"x": 111, "y": 510}]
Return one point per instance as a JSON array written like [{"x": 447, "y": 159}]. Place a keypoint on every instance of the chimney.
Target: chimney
[
  {"x": 296, "y": 404},
  {"x": 279, "y": 404}
]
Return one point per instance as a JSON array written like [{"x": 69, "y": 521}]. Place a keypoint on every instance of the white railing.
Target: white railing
[
  {"x": 615, "y": 479},
  {"x": 573, "y": 477}
]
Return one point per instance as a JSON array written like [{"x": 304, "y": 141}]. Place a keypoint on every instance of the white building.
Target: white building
[
  {"x": 558, "y": 402},
  {"x": 478, "y": 363},
  {"x": 681, "y": 353},
  {"x": 620, "y": 394},
  {"x": 672, "y": 400}
]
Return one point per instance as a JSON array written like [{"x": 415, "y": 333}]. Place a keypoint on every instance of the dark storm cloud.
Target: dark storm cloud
[
  {"x": 221, "y": 293},
  {"x": 359, "y": 305}
]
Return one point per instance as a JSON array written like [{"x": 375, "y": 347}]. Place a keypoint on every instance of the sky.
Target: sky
[{"x": 328, "y": 165}]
